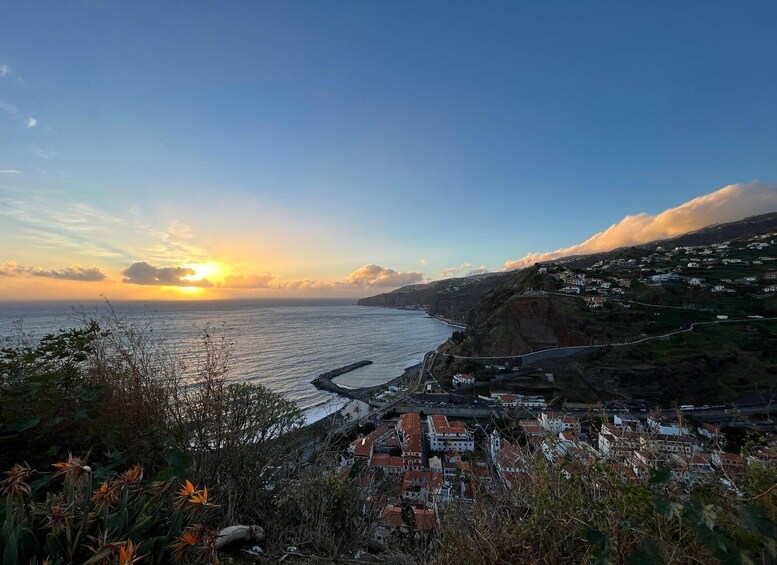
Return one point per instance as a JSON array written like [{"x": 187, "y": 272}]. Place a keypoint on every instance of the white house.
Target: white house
[
  {"x": 446, "y": 436},
  {"x": 463, "y": 380},
  {"x": 556, "y": 423}
]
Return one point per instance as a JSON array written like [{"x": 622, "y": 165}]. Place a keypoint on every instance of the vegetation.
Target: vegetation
[
  {"x": 587, "y": 513},
  {"x": 149, "y": 432}
]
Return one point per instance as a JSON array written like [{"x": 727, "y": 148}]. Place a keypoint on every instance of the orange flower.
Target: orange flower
[
  {"x": 133, "y": 475},
  {"x": 127, "y": 553},
  {"x": 73, "y": 469},
  {"x": 104, "y": 496},
  {"x": 182, "y": 546},
  {"x": 15, "y": 482},
  {"x": 187, "y": 489},
  {"x": 200, "y": 497}
]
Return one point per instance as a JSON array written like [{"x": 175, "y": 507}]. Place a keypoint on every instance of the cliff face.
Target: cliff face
[
  {"x": 512, "y": 320},
  {"x": 450, "y": 298}
]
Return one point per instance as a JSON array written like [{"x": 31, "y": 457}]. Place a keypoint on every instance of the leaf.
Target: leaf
[
  {"x": 104, "y": 553},
  {"x": 755, "y": 519},
  {"x": 11, "y": 552},
  {"x": 647, "y": 554},
  {"x": 24, "y": 424},
  {"x": 38, "y": 484},
  {"x": 660, "y": 475},
  {"x": 139, "y": 530},
  {"x": 89, "y": 394}
]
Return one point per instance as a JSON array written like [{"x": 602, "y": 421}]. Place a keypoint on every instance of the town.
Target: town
[{"x": 430, "y": 461}]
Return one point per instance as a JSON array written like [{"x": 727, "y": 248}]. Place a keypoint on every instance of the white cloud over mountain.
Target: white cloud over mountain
[{"x": 730, "y": 203}]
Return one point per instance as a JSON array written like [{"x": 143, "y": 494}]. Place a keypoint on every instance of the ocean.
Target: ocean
[{"x": 280, "y": 344}]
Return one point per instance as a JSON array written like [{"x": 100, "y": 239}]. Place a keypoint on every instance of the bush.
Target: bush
[{"x": 77, "y": 519}]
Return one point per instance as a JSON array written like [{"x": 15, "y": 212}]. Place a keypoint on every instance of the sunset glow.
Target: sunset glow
[{"x": 290, "y": 163}]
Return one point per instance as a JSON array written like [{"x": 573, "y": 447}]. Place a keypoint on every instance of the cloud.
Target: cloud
[
  {"x": 247, "y": 282},
  {"x": 422, "y": 262},
  {"x": 465, "y": 270},
  {"x": 368, "y": 276},
  {"x": 145, "y": 274},
  {"x": 11, "y": 269},
  {"x": 12, "y": 110},
  {"x": 74, "y": 273},
  {"x": 9, "y": 108},
  {"x": 10, "y": 172},
  {"x": 44, "y": 154},
  {"x": 453, "y": 271},
  {"x": 375, "y": 275},
  {"x": 730, "y": 203},
  {"x": 5, "y": 70}
]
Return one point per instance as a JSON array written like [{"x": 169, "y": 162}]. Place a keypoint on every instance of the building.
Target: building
[
  {"x": 666, "y": 278},
  {"x": 556, "y": 423},
  {"x": 595, "y": 301},
  {"x": 412, "y": 441},
  {"x": 444, "y": 435},
  {"x": 664, "y": 427},
  {"x": 460, "y": 380}
]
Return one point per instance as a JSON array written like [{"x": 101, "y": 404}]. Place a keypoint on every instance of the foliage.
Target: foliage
[
  {"x": 78, "y": 519},
  {"x": 116, "y": 390}
]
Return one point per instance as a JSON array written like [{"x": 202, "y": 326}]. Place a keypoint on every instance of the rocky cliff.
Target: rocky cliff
[
  {"x": 449, "y": 298},
  {"x": 512, "y": 319}
]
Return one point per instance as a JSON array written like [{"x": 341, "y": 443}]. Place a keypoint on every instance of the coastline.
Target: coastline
[
  {"x": 361, "y": 395},
  {"x": 450, "y": 322},
  {"x": 326, "y": 383}
]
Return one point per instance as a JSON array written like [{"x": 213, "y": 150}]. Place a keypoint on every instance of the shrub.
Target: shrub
[{"x": 69, "y": 517}]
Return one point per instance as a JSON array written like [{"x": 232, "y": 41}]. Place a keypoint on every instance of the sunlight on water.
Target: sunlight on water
[{"x": 282, "y": 345}]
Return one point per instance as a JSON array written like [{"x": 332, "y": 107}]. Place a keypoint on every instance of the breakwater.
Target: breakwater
[{"x": 324, "y": 380}]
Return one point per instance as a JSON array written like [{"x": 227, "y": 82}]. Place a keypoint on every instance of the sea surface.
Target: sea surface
[{"x": 280, "y": 344}]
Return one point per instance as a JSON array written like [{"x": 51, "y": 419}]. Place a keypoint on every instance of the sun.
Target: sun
[{"x": 203, "y": 271}]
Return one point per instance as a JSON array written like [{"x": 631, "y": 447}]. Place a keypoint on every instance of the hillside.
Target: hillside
[
  {"x": 449, "y": 298},
  {"x": 505, "y": 315},
  {"x": 716, "y": 233}
]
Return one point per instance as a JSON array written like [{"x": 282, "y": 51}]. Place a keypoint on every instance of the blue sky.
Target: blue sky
[{"x": 307, "y": 139}]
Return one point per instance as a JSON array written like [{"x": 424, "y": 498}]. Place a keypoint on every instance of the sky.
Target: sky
[{"x": 195, "y": 150}]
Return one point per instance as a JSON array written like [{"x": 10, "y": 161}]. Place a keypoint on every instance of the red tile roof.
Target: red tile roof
[
  {"x": 385, "y": 460},
  {"x": 391, "y": 516},
  {"x": 425, "y": 519}
]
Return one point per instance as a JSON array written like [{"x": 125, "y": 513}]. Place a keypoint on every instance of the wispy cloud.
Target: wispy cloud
[
  {"x": 248, "y": 282},
  {"x": 145, "y": 274},
  {"x": 13, "y": 111},
  {"x": 74, "y": 273},
  {"x": 5, "y": 70},
  {"x": 10, "y": 172},
  {"x": 730, "y": 203},
  {"x": 9, "y": 108},
  {"x": 44, "y": 154},
  {"x": 43, "y": 221},
  {"x": 465, "y": 269},
  {"x": 368, "y": 276}
]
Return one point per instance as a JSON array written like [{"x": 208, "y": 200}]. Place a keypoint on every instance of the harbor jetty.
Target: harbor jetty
[{"x": 324, "y": 380}]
